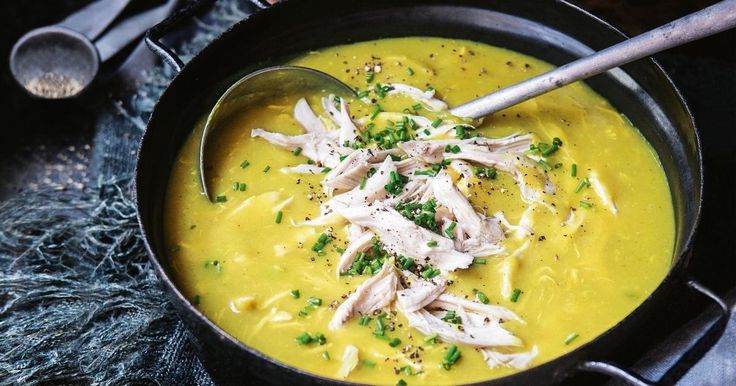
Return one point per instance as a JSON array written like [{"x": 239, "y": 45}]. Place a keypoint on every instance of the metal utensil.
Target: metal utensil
[
  {"x": 62, "y": 60},
  {"x": 261, "y": 85},
  {"x": 709, "y": 21}
]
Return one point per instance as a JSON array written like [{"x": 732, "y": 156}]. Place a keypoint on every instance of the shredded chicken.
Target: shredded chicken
[
  {"x": 319, "y": 147},
  {"x": 368, "y": 208},
  {"x": 375, "y": 293},
  {"x": 302, "y": 169},
  {"x": 373, "y": 190},
  {"x": 425, "y": 97},
  {"x": 307, "y": 118},
  {"x": 347, "y": 129},
  {"x": 488, "y": 335},
  {"x": 402, "y": 237},
  {"x": 451, "y": 302},
  {"x": 518, "y": 360},
  {"x": 420, "y": 292},
  {"x": 347, "y": 258},
  {"x": 317, "y": 144},
  {"x": 349, "y": 361},
  {"x": 602, "y": 192},
  {"x": 485, "y": 233},
  {"x": 348, "y": 173}
]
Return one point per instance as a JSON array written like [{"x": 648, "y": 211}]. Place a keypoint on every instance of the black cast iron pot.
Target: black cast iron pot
[{"x": 554, "y": 31}]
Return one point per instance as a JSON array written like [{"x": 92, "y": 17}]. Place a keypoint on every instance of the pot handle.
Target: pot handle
[
  {"x": 686, "y": 361},
  {"x": 157, "y": 32}
]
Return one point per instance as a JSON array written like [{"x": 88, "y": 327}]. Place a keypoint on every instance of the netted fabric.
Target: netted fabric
[{"x": 79, "y": 302}]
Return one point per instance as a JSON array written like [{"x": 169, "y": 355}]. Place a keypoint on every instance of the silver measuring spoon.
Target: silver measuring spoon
[
  {"x": 709, "y": 21},
  {"x": 62, "y": 60}
]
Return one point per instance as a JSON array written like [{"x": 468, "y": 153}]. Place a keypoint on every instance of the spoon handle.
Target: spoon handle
[
  {"x": 709, "y": 21},
  {"x": 91, "y": 20},
  {"x": 122, "y": 34}
]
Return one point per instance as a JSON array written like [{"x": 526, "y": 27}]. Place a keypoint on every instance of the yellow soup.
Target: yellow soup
[{"x": 596, "y": 246}]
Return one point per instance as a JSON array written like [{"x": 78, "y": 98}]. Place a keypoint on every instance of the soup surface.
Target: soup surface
[{"x": 587, "y": 242}]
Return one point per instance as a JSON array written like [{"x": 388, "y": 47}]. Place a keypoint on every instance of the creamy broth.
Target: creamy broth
[{"x": 571, "y": 280}]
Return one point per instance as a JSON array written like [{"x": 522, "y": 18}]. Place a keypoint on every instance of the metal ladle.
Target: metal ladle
[
  {"x": 283, "y": 80},
  {"x": 62, "y": 60}
]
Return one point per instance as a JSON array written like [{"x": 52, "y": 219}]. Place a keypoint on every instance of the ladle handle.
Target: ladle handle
[
  {"x": 91, "y": 20},
  {"x": 709, "y": 21},
  {"x": 157, "y": 32}
]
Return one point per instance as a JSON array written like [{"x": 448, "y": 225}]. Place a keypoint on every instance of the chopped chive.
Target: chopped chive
[
  {"x": 432, "y": 244},
  {"x": 451, "y": 357},
  {"x": 326, "y": 169},
  {"x": 326, "y": 355},
  {"x": 394, "y": 342},
  {"x": 320, "y": 338},
  {"x": 427, "y": 132},
  {"x": 545, "y": 165},
  {"x": 429, "y": 272},
  {"x": 279, "y": 216},
  {"x": 482, "y": 297},
  {"x": 306, "y": 310},
  {"x": 377, "y": 110},
  {"x": 364, "y": 320},
  {"x": 267, "y": 168},
  {"x": 550, "y": 150},
  {"x": 556, "y": 142},
  {"x": 436, "y": 122},
  {"x": 369, "y": 76},
  {"x": 478, "y": 261},
  {"x": 304, "y": 338},
  {"x": 314, "y": 301},
  {"x": 584, "y": 183},
  {"x": 489, "y": 173},
  {"x": 430, "y": 173},
  {"x": 515, "y": 295},
  {"x": 574, "y": 170},
  {"x": 586, "y": 204},
  {"x": 570, "y": 338},
  {"x": 449, "y": 230},
  {"x": 452, "y": 317},
  {"x": 409, "y": 71},
  {"x": 244, "y": 164},
  {"x": 362, "y": 183},
  {"x": 401, "y": 382},
  {"x": 221, "y": 199},
  {"x": 362, "y": 94},
  {"x": 407, "y": 263},
  {"x": 369, "y": 364},
  {"x": 460, "y": 132},
  {"x": 196, "y": 300},
  {"x": 295, "y": 294},
  {"x": 432, "y": 339},
  {"x": 297, "y": 151}
]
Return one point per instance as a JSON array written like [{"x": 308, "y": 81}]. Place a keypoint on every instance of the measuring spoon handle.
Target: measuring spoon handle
[
  {"x": 91, "y": 20},
  {"x": 129, "y": 29}
]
